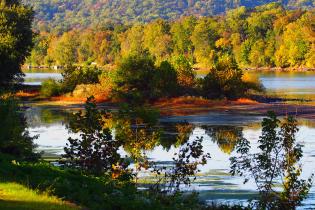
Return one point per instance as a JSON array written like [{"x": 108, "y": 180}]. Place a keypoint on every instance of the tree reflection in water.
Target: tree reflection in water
[{"x": 226, "y": 137}]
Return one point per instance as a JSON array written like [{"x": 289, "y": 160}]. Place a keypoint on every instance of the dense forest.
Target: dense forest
[
  {"x": 266, "y": 36},
  {"x": 61, "y": 15}
]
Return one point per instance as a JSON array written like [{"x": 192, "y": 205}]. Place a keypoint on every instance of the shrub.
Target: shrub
[
  {"x": 166, "y": 80},
  {"x": 134, "y": 81},
  {"x": 94, "y": 192},
  {"x": 73, "y": 76},
  {"x": 224, "y": 80},
  {"x": 138, "y": 80},
  {"x": 101, "y": 90},
  {"x": 50, "y": 88},
  {"x": 185, "y": 73}
]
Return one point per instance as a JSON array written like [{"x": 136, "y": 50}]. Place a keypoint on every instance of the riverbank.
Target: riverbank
[
  {"x": 189, "y": 105},
  {"x": 279, "y": 69}
]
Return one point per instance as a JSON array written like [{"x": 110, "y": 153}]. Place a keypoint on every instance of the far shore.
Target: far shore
[
  {"x": 187, "y": 105},
  {"x": 271, "y": 69}
]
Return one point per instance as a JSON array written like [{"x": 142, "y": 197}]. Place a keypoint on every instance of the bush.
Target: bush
[
  {"x": 185, "y": 74},
  {"x": 166, "y": 80},
  {"x": 50, "y": 88},
  {"x": 224, "y": 80},
  {"x": 94, "y": 193},
  {"x": 138, "y": 80},
  {"x": 101, "y": 90},
  {"x": 73, "y": 76}
]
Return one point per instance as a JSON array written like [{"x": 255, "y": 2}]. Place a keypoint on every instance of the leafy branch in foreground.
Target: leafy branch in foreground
[
  {"x": 96, "y": 151},
  {"x": 278, "y": 159},
  {"x": 185, "y": 168}
]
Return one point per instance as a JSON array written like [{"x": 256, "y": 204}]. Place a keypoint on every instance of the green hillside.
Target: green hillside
[{"x": 66, "y": 14}]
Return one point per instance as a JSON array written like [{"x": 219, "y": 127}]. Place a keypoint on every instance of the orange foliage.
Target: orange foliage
[
  {"x": 193, "y": 105},
  {"x": 76, "y": 99},
  {"x": 27, "y": 94},
  {"x": 245, "y": 101}
]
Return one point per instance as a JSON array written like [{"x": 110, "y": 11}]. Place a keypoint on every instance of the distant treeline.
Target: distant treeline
[
  {"x": 267, "y": 36},
  {"x": 61, "y": 15}
]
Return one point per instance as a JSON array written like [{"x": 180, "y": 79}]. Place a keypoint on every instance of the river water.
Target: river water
[{"x": 214, "y": 182}]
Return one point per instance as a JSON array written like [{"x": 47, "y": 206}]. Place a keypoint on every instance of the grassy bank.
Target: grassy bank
[
  {"x": 91, "y": 192},
  {"x": 38, "y": 186},
  {"x": 15, "y": 196}
]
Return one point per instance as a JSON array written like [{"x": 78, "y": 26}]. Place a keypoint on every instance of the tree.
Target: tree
[
  {"x": 184, "y": 168},
  {"x": 278, "y": 159},
  {"x": 181, "y": 31},
  {"x": 132, "y": 41},
  {"x": 134, "y": 80},
  {"x": 185, "y": 73},
  {"x": 297, "y": 42},
  {"x": 39, "y": 51},
  {"x": 95, "y": 152},
  {"x": 203, "y": 38},
  {"x": 224, "y": 80},
  {"x": 73, "y": 76},
  {"x": 166, "y": 80},
  {"x": 157, "y": 40},
  {"x": 64, "y": 51},
  {"x": 236, "y": 20},
  {"x": 15, "y": 38},
  {"x": 137, "y": 80}
]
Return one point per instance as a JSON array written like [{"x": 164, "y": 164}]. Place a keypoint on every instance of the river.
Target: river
[{"x": 214, "y": 183}]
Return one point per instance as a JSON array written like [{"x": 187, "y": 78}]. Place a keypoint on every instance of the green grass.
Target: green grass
[
  {"x": 23, "y": 187},
  {"x": 14, "y": 196}
]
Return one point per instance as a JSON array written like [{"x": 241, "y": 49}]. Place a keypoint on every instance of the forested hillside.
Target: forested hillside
[
  {"x": 266, "y": 36},
  {"x": 61, "y": 15}
]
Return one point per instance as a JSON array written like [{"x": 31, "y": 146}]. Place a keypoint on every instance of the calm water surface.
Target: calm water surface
[
  {"x": 214, "y": 183},
  {"x": 37, "y": 76},
  {"x": 289, "y": 84},
  {"x": 294, "y": 85}
]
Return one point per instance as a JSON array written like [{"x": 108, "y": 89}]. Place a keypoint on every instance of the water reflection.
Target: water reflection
[
  {"x": 161, "y": 140},
  {"x": 38, "y": 78},
  {"x": 226, "y": 137},
  {"x": 39, "y": 116}
]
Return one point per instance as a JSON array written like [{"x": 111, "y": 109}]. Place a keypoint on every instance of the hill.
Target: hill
[{"x": 68, "y": 14}]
